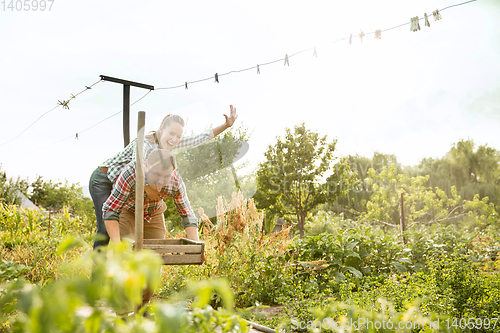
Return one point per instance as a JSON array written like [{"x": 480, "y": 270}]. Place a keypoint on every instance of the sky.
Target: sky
[{"x": 411, "y": 94}]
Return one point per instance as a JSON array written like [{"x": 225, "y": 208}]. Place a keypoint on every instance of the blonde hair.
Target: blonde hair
[
  {"x": 166, "y": 157},
  {"x": 154, "y": 136}
]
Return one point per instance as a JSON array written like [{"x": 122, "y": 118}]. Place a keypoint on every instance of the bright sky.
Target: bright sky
[{"x": 412, "y": 94}]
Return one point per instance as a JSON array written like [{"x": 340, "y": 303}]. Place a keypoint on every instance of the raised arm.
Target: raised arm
[{"x": 228, "y": 123}]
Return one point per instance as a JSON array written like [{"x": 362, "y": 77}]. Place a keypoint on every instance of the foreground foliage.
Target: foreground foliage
[
  {"x": 349, "y": 271},
  {"x": 106, "y": 290}
]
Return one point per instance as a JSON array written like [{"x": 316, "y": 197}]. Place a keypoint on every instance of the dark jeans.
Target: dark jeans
[{"x": 100, "y": 189}]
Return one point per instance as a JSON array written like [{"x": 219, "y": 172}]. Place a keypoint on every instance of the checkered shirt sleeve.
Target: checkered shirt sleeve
[
  {"x": 194, "y": 140},
  {"x": 123, "y": 190},
  {"x": 123, "y": 197},
  {"x": 177, "y": 190},
  {"x": 118, "y": 162}
]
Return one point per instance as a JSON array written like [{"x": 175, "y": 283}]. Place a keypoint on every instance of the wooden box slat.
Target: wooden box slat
[
  {"x": 177, "y": 251},
  {"x": 174, "y": 248},
  {"x": 186, "y": 259}
]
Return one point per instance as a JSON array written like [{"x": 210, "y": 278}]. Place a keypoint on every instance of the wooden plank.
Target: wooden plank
[
  {"x": 176, "y": 241},
  {"x": 186, "y": 259},
  {"x": 139, "y": 184},
  {"x": 181, "y": 251},
  {"x": 163, "y": 241},
  {"x": 190, "y": 241},
  {"x": 174, "y": 248}
]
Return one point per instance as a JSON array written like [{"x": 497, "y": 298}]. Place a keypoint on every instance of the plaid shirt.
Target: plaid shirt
[
  {"x": 118, "y": 162},
  {"x": 123, "y": 197}
]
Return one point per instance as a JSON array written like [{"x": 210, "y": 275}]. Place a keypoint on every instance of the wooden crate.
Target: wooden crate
[{"x": 181, "y": 251}]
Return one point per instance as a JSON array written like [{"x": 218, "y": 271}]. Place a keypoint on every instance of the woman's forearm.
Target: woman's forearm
[{"x": 218, "y": 130}]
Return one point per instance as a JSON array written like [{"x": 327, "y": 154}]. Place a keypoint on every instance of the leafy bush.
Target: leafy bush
[
  {"x": 236, "y": 249},
  {"x": 107, "y": 285},
  {"x": 10, "y": 270}
]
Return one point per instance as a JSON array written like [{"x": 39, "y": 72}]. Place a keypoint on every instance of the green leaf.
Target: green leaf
[
  {"x": 339, "y": 276},
  {"x": 353, "y": 271},
  {"x": 406, "y": 260},
  {"x": 400, "y": 267},
  {"x": 68, "y": 244}
]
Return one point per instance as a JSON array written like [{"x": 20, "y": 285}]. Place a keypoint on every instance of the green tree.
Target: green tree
[
  {"x": 472, "y": 171},
  {"x": 422, "y": 204},
  {"x": 353, "y": 203},
  {"x": 293, "y": 178},
  {"x": 9, "y": 186},
  {"x": 56, "y": 195}
]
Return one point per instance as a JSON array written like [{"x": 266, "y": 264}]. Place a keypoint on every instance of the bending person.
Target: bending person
[
  {"x": 168, "y": 136},
  {"x": 119, "y": 208}
]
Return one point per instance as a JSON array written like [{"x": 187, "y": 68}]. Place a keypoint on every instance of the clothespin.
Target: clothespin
[
  {"x": 186, "y": 85},
  {"x": 361, "y": 35},
  {"x": 216, "y": 77},
  {"x": 414, "y": 24},
  {"x": 76, "y": 137},
  {"x": 88, "y": 87},
  {"x": 286, "y": 60},
  {"x": 350, "y": 39},
  {"x": 378, "y": 34},
  {"x": 73, "y": 96},
  {"x": 314, "y": 53},
  {"x": 427, "y": 24},
  {"x": 64, "y": 104},
  {"x": 258, "y": 70},
  {"x": 437, "y": 15}
]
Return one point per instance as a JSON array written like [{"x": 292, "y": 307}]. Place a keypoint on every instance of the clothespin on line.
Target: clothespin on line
[
  {"x": 361, "y": 35},
  {"x": 437, "y": 15},
  {"x": 186, "y": 85},
  {"x": 378, "y": 34},
  {"x": 76, "y": 137},
  {"x": 286, "y": 60},
  {"x": 427, "y": 24},
  {"x": 414, "y": 24},
  {"x": 258, "y": 70},
  {"x": 65, "y": 104},
  {"x": 216, "y": 77},
  {"x": 315, "y": 54}
]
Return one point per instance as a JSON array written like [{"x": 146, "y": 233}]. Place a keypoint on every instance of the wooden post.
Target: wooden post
[
  {"x": 403, "y": 222},
  {"x": 139, "y": 183}
]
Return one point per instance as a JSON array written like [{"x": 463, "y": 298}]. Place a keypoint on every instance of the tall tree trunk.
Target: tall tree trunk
[
  {"x": 298, "y": 222},
  {"x": 301, "y": 223}
]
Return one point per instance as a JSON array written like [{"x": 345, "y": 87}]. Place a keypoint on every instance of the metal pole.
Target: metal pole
[
  {"x": 126, "y": 115},
  {"x": 126, "y": 102},
  {"x": 139, "y": 183}
]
